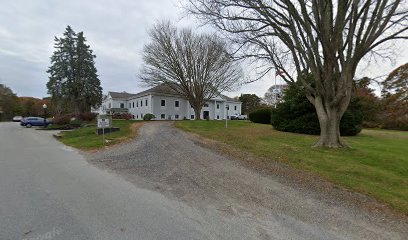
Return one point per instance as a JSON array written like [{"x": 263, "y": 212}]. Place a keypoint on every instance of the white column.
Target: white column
[
  {"x": 215, "y": 109},
  {"x": 151, "y": 104},
  {"x": 188, "y": 110}
]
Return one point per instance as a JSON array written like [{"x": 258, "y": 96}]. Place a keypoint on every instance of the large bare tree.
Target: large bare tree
[
  {"x": 325, "y": 38},
  {"x": 197, "y": 66}
]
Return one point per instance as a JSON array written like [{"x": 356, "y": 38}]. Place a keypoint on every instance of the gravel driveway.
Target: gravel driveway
[{"x": 167, "y": 160}]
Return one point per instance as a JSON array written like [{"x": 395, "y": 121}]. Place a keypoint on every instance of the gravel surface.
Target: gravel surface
[{"x": 167, "y": 160}]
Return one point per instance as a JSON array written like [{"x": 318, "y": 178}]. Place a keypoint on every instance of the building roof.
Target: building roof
[
  {"x": 123, "y": 95},
  {"x": 162, "y": 89},
  {"x": 228, "y": 98}
]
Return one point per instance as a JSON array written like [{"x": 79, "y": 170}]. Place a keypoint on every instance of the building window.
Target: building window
[
  {"x": 146, "y": 102},
  {"x": 218, "y": 116},
  {"x": 235, "y": 108},
  {"x": 141, "y": 115},
  {"x": 137, "y": 104},
  {"x": 206, "y": 105},
  {"x": 133, "y": 104},
  {"x": 163, "y": 116},
  {"x": 192, "y": 116},
  {"x": 163, "y": 103},
  {"x": 137, "y": 116},
  {"x": 177, "y": 104},
  {"x": 122, "y": 105},
  {"x": 176, "y": 116},
  {"x": 109, "y": 105},
  {"x": 141, "y": 103},
  {"x": 218, "y": 106}
]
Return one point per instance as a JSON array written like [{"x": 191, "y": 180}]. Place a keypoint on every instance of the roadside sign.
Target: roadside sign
[{"x": 104, "y": 121}]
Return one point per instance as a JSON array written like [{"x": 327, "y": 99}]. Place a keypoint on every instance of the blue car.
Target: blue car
[{"x": 34, "y": 121}]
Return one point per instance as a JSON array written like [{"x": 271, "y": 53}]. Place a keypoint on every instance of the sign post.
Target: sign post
[{"x": 104, "y": 121}]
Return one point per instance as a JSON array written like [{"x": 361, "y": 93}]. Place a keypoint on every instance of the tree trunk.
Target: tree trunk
[
  {"x": 197, "y": 113},
  {"x": 329, "y": 120}
]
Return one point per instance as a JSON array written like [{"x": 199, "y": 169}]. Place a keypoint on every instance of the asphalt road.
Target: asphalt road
[{"x": 49, "y": 191}]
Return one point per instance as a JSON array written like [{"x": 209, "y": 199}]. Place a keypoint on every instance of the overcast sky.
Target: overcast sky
[{"x": 116, "y": 31}]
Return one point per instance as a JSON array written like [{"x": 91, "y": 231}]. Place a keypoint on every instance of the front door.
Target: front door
[{"x": 206, "y": 114}]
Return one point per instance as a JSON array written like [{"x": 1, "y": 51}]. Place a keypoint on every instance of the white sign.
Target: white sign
[{"x": 104, "y": 121}]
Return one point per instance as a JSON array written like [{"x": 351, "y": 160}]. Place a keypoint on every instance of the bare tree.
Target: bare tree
[
  {"x": 197, "y": 66},
  {"x": 325, "y": 38},
  {"x": 274, "y": 94}
]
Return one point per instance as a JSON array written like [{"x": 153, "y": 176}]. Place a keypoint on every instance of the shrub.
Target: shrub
[
  {"x": 125, "y": 116},
  {"x": 262, "y": 115},
  {"x": 88, "y": 116},
  {"x": 76, "y": 123},
  {"x": 148, "y": 117},
  {"x": 296, "y": 114},
  {"x": 62, "y": 120}
]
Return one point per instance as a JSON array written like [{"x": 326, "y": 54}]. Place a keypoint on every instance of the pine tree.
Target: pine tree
[
  {"x": 91, "y": 92},
  {"x": 73, "y": 75}
]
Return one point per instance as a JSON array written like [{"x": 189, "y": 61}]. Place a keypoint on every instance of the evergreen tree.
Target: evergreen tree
[
  {"x": 296, "y": 114},
  {"x": 73, "y": 75}
]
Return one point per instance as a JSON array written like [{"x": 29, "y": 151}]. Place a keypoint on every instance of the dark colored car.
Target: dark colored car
[{"x": 34, "y": 121}]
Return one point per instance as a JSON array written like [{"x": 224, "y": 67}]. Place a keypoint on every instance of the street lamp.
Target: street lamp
[
  {"x": 226, "y": 115},
  {"x": 45, "y": 108}
]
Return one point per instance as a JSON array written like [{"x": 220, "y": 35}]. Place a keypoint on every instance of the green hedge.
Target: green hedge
[
  {"x": 148, "y": 117},
  {"x": 262, "y": 115}
]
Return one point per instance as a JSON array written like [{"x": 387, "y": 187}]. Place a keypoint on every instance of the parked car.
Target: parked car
[
  {"x": 34, "y": 121},
  {"x": 17, "y": 118},
  {"x": 239, "y": 117}
]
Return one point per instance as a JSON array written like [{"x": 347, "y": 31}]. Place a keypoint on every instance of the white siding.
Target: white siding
[
  {"x": 169, "y": 110},
  {"x": 138, "y": 108}
]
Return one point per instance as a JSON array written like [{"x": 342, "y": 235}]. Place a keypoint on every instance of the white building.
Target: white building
[{"x": 166, "y": 104}]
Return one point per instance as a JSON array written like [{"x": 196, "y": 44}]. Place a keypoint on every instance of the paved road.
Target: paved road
[{"x": 48, "y": 191}]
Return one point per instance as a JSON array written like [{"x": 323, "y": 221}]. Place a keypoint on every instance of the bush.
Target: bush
[
  {"x": 125, "y": 116},
  {"x": 296, "y": 114},
  {"x": 262, "y": 115},
  {"x": 62, "y": 120},
  {"x": 76, "y": 123},
  {"x": 148, "y": 117},
  {"x": 396, "y": 123},
  {"x": 88, "y": 116}
]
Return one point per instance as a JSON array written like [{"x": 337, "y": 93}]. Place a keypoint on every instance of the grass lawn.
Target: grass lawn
[
  {"x": 376, "y": 165},
  {"x": 86, "y": 138}
]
